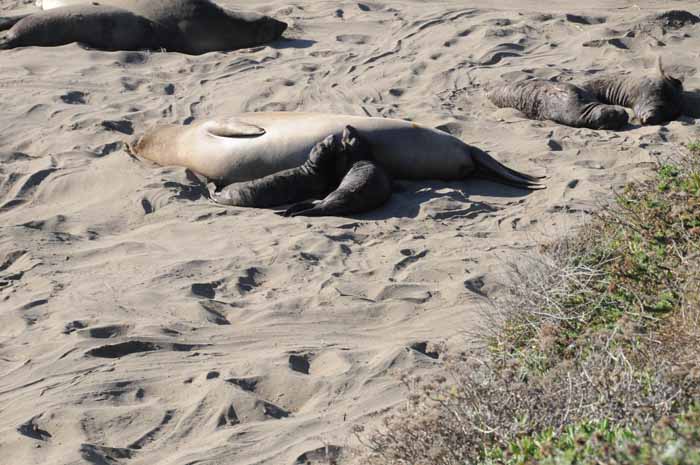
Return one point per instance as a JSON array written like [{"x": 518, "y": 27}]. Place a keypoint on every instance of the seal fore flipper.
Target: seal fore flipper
[{"x": 232, "y": 127}]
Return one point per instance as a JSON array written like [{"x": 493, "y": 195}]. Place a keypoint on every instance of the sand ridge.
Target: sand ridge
[{"x": 140, "y": 323}]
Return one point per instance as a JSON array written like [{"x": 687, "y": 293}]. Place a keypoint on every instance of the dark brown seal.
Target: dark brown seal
[
  {"x": 654, "y": 100},
  {"x": 187, "y": 26},
  {"x": 560, "y": 102}
]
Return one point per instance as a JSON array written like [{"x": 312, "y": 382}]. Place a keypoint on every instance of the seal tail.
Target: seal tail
[{"x": 489, "y": 168}]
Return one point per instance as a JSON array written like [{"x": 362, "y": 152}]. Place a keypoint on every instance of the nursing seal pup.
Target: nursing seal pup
[
  {"x": 275, "y": 158},
  {"x": 187, "y": 26}
]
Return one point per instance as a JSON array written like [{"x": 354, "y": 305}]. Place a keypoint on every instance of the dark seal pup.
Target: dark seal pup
[
  {"x": 560, "y": 102},
  {"x": 599, "y": 103},
  {"x": 343, "y": 172},
  {"x": 187, "y": 26},
  {"x": 654, "y": 100}
]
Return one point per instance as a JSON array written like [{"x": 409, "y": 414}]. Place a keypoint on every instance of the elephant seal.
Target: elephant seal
[
  {"x": 560, "y": 102},
  {"x": 654, "y": 100},
  {"x": 187, "y": 26},
  {"x": 343, "y": 171},
  {"x": 251, "y": 146}
]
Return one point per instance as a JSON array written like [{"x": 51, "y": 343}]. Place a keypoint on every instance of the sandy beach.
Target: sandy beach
[{"x": 142, "y": 324}]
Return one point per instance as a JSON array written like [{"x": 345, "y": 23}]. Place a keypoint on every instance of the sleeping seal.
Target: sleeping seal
[
  {"x": 187, "y": 26},
  {"x": 252, "y": 146},
  {"x": 343, "y": 173},
  {"x": 560, "y": 102},
  {"x": 654, "y": 100},
  {"x": 598, "y": 104}
]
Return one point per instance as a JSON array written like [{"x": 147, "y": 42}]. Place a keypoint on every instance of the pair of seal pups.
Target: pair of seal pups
[
  {"x": 342, "y": 172},
  {"x": 599, "y": 103},
  {"x": 187, "y": 26},
  {"x": 264, "y": 159}
]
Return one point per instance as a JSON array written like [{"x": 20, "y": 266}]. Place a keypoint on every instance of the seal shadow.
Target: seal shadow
[
  {"x": 408, "y": 197},
  {"x": 284, "y": 42}
]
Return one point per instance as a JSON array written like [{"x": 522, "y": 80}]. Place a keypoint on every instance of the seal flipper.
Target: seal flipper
[
  {"x": 365, "y": 187},
  {"x": 232, "y": 127},
  {"x": 6, "y": 22},
  {"x": 490, "y": 168}
]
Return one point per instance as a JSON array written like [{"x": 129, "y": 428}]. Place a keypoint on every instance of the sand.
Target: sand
[{"x": 142, "y": 324}]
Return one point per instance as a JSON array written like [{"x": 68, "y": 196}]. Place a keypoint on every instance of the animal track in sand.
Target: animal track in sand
[
  {"x": 32, "y": 430},
  {"x": 251, "y": 280},
  {"x": 104, "y": 332},
  {"x": 153, "y": 433},
  {"x": 354, "y": 39},
  {"x": 326, "y": 455},
  {"x": 425, "y": 348},
  {"x": 213, "y": 311},
  {"x": 409, "y": 258},
  {"x": 301, "y": 363},
  {"x": 247, "y": 384},
  {"x": 95, "y": 454},
  {"x": 229, "y": 418},
  {"x": 74, "y": 97},
  {"x": 123, "y": 349}
]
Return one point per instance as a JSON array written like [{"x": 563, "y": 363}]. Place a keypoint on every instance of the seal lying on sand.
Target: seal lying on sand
[
  {"x": 188, "y": 26},
  {"x": 254, "y": 145},
  {"x": 654, "y": 100},
  {"x": 347, "y": 166},
  {"x": 559, "y": 102},
  {"x": 599, "y": 103}
]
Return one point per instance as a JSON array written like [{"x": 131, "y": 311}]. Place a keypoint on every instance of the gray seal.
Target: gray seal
[
  {"x": 560, "y": 102},
  {"x": 599, "y": 103},
  {"x": 253, "y": 145},
  {"x": 187, "y": 26},
  {"x": 343, "y": 173},
  {"x": 654, "y": 100}
]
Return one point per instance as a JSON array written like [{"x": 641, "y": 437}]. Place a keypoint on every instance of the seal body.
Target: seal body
[
  {"x": 98, "y": 26},
  {"x": 654, "y": 100},
  {"x": 560, "y": 102},
  {"x": 188, "y": 26},
  {"x": 343, "y": 173},
  {"x": 254, "y": 145}
]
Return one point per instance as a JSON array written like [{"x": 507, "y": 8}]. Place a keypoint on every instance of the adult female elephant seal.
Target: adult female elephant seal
[
  {"x": 343, "y": 173},
  {"x": 188, "y": 26},
  {"x": 252, "y": 146},
  {"x": 559, "y": 102}
]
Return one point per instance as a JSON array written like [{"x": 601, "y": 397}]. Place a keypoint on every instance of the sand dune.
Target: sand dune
[{"x": 141, "y": 324}]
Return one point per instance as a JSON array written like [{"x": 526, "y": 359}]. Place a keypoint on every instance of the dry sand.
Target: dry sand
[{"x": 142, "y": 324}]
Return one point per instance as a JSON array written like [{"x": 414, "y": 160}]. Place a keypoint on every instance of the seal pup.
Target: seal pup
[
  {"x": 187, "y": 26},
  {"x": 343, "y": 171},
  {"x": 654, "y": 100},
  {"x": 560, "y": 102}
]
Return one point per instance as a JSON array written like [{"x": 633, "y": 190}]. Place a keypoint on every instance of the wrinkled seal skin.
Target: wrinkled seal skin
[
  {"x": 254, "y": 145},
  {"x": 562, "y": 103},
  {"x": 187, "y": 26},
  {"x": 654, "y": 100},
  {"x": 342, "y": 171}
]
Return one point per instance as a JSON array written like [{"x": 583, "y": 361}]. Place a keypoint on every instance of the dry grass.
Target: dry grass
[{"x": 597, "y": 356}]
